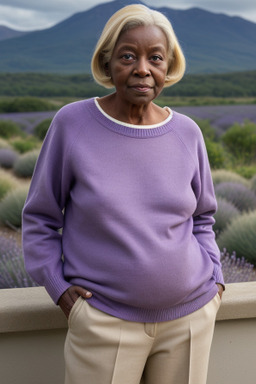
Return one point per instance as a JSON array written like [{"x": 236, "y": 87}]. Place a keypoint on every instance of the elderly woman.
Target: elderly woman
[{"x": 135, "y": 269}]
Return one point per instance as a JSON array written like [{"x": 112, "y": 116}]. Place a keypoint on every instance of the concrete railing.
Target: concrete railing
[{"x": 33, "y": 329}]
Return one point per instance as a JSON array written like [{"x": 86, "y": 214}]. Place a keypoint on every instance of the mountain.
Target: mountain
[
  {"x": 212, "y": 43},
  {"x": 8, "y": 33}
]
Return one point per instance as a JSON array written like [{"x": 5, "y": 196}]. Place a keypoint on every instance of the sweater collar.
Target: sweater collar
[{"x": 130, "y": 130}]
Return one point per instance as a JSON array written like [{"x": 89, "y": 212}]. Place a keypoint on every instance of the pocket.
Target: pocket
[
  {"x": 217, "y": 299},
  {"x": 75, "y": 310}
]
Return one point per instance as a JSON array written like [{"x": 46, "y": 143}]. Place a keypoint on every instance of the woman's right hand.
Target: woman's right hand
[{"x": 70, "y": 296}]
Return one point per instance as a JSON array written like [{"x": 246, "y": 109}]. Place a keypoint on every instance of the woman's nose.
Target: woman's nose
[{"x": 142, "y": 68}]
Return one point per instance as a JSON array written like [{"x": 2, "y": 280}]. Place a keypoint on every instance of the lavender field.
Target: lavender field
[
  {"x": 221, "y": 117},
  {"x": 27, "y": 120}
]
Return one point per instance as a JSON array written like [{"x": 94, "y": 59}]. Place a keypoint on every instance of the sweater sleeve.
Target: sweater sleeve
[
  {"x": 43, "y": 211},
  {"x": 203, "y": 219}
]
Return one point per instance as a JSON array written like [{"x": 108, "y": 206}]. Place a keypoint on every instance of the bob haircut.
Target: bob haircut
[{"x": 129, "y": 17}]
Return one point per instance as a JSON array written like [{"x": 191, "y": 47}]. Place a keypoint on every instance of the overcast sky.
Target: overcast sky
[{"x": 32, "y": 14}]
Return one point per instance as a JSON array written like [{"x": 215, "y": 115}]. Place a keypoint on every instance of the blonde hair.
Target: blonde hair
[{"x": 133, "y": 16}]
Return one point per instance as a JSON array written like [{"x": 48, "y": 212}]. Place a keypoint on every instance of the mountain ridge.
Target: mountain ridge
[
  {"x": 9, "y": 33},
  {"x": 212, "y": 43}
]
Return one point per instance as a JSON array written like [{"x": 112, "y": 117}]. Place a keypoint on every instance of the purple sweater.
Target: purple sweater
[{"x": 136, "y": 207}]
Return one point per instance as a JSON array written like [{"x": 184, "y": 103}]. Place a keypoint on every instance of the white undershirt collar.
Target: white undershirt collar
[{"x": 134, "y": 125}]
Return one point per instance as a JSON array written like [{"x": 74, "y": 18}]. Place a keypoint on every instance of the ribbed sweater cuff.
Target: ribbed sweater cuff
[{"x": 56, "y": 286}]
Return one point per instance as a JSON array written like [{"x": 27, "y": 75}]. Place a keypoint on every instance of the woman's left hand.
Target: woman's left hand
[{"x": 220, "y": 287}]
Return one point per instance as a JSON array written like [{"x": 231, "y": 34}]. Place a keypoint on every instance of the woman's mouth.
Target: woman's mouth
[{"x": 141, "y": 88}]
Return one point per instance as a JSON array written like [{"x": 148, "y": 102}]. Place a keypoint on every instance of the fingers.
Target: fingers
[
  {"x": 70, "y": 296},
  {"x": 79, "y": 291}
]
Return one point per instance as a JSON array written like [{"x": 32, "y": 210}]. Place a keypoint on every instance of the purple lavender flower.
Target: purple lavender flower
[
  {"x": 236, "y": 270},
  {"x": 12, "y": 271}
]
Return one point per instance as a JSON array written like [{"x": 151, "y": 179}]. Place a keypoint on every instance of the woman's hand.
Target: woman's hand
[
  {"x": 70, "y": 296},
  {"x": 221, "y": 289}
]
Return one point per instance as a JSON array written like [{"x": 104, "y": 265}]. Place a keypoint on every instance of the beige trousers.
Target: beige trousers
[{"x": 102, "y": 349}]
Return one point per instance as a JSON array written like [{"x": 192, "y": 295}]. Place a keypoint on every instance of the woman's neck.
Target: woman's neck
[{"x": 148, "y": 114}]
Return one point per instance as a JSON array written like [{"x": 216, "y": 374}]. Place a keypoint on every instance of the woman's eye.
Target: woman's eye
[
  {"x": 127, "y": 56},
  {"x": 156, "y": 58}
]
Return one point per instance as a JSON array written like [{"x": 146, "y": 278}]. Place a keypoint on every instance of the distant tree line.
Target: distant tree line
[{"x": 241, "y": 84}]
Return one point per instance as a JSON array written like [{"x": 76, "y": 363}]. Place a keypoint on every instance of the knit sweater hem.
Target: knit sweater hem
[{"x": 129, "y": 313}]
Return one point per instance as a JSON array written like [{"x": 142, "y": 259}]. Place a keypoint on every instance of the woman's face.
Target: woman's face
[{"x": 139, "y": 64}]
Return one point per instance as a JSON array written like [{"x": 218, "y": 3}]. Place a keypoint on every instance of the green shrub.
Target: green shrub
[
  {"x": 25, "y": 145},
  {"x": 9, "y": 129},
  {"x": 240, "y": 237},
  {"x": 225, "y": 214},
  {"x": 11, "y": 207},
  {"x": 26, "y": 104},
  {"x": 223, "y": 175},
  {"x": 41, "y": 129},
  {"x": 24, "y": 166},
  {"x": 215, "y": 154},
  {"x": 8, "y": 157},
  {"x": 247, "y": 171},
  {"x": 241, "y": 196},
  {"x": 241, "y": 141},
  {"x": 207, "y": 130},
  {"x": 7, "y": 183}
]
